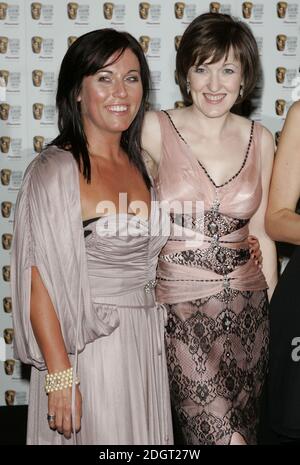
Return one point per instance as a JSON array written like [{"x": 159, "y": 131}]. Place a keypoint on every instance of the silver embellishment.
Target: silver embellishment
[
  {"x": 226, "y": 283},
  {"x": 150, "y": 285}
]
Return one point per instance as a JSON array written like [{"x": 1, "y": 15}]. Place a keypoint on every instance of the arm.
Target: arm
[
  {"x": 151, "y": 140},
  {"x": 48, "y": 334},
  {"x": 256, "y": 225},
  {"x": 282, "y": 223}
]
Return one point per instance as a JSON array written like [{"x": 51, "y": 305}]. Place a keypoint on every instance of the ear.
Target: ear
[{"x": 78, "y": 98}]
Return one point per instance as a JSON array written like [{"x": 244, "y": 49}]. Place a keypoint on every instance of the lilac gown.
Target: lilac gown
[{"x": 102, "y": 289}]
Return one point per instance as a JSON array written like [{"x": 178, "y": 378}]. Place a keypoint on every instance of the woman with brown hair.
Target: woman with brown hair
[{"x": 216, "y": 298}]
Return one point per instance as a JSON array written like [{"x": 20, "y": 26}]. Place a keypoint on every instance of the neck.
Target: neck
[
  {"x": 104, "y": 145},
  {"x": 211, "y": 127}
]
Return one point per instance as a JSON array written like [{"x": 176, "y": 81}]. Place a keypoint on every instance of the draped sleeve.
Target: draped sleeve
[{"x": 48, "y": 234}]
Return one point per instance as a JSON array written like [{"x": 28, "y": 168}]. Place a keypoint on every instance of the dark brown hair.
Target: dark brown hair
[
  {"x": 85, "y": 57},
  {"x": 211, "y": 35}
]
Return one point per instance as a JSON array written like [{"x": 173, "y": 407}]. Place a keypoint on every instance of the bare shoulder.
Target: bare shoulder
[
  {"x": 150, "y": 124},
  {"x": 294, "y": 111},
  {"x": 242, "y": 123},
  {"x": 293, "y": 119},
  {"x": 179, "y": 116},
  {"x": 151, "y": 136},
  {"x": 267, "y": 136}
]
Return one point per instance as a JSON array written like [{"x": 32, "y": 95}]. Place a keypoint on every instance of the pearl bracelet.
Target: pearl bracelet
[{"x": 60, "y": 380}]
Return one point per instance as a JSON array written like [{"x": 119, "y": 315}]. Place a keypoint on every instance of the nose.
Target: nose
[
  {"x": 120, "y": 89},
  {"x": 214, "y": 82}
]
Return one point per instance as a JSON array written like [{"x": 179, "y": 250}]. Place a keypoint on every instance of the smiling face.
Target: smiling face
[
  {"x": 110, "y": 99},
  {"x": 215, "y": 87}
]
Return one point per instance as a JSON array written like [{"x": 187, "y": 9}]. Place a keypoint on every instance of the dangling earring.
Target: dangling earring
[
  {"x": 241, "y": 91},
  {"x": 188, "y": 87}
]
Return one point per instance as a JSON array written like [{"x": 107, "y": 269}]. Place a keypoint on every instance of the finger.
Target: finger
[
  {"x": 51, "y": 412},
  {"x": 52, "y": 422},
  {"x": 59, "y": 421},
  {"x": 252, "y": 238},
  {"x": 77, "y": 421},
  {"x": 67, "y": 428}
]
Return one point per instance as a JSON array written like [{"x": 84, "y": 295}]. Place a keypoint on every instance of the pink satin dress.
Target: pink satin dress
[{"x": 218, "y": 331}]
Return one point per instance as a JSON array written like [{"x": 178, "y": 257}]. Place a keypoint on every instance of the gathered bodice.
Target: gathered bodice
[{"x": 122, "y": 250}]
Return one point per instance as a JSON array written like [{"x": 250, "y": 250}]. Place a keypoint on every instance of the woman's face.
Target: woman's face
[
  {"x": 110, "y": 99},
  {"x": 215, "y": 87}
]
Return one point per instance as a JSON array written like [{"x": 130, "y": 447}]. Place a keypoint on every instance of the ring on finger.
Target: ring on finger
[{"x": 51, "y": 417}]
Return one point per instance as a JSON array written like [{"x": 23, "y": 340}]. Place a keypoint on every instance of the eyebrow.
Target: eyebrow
[
  {"x": 111, "y": 72},
  {"x": 229, "y": 63}
]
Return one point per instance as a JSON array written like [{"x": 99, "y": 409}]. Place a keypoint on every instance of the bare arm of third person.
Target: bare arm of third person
[
  {"x": 257, "y": 222},
  {"x": 282, "y": 223},
  {"x": 49, "y": 337}
]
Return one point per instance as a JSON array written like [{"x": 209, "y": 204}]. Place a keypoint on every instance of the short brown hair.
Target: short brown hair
[{"x": 212, "y": 35}]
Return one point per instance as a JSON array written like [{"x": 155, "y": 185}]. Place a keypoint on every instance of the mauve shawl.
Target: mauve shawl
[{"x": 48, "y": 234}]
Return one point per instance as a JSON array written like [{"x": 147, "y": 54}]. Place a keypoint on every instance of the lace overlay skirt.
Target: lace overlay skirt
[{"x": 217, "y": 353}]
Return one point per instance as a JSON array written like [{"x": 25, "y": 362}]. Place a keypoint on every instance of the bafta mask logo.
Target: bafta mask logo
[
  {"x": 144, "y": 8},
  {"x": 277, "y": 137},
  {"x": 9, "y": 366},
  {"x": 38, "y": 143},
  {"x": 36, "y": 44},
  {"x": 214, "y": 7},
  {"x": 10, "y": 397},
  {"x": 4, "y": 111},
  {"x": 179, "y": 8},
  {"x": 71, "y": 40},
  {"x": 179, "y": 104},
  {"x": 8, "y": 335},
  {"x": 108, "y": 10},
  {"x": 36, "y": 8},
  {"x": 280, "y": 106},
  {"x": 145, "y": 41},
  {"x": 3, "y": 10},
  {"x": 280, "y": 42},
  {"x": 247, "y": 9},
  {"x": 4, "y": 144},
  {"x": 5, "y": 175},
  {"x": 6, "y": 209},
  {"x": 37, "y": 77},
  {"x": 3, "y": 44},
  {"x": 177, "y": 40},
  {"x": 281, "y": 9},
  {"x": 72, "y": 10},
  {"x": 6, "y": 273},
  {"x": 37, "y": 110},
  {"x": 4, "y": 74},
  {"x": 7, "y": 304},
  {"x": 280, "y": 74},
  {"x": 6, "y": 241}
]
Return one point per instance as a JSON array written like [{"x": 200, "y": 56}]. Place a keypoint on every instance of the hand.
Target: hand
[
  {"x": 255, "y": 251},
  {"x": 60, "y": 405}
]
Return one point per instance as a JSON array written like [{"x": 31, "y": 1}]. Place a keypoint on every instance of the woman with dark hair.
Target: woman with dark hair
[
  {"x": 84, "y": 262},
  {"x": 216, "y": 298},
  {"x": 283, "y": 224}
]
